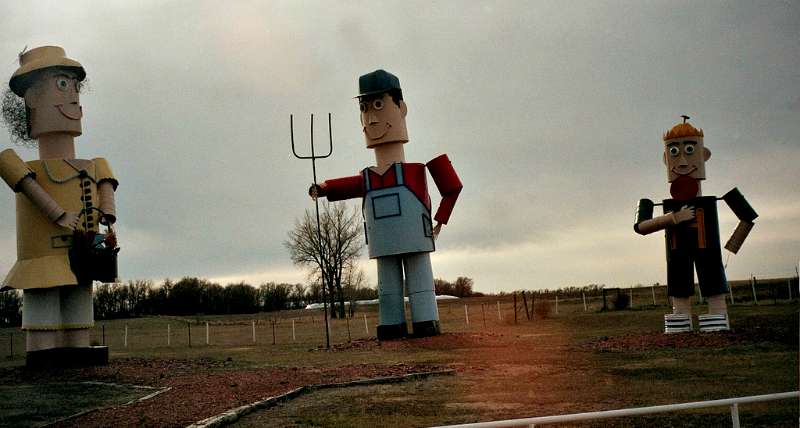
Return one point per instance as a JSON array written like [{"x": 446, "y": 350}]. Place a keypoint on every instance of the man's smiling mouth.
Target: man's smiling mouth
[{"x": 374, "y": 132}]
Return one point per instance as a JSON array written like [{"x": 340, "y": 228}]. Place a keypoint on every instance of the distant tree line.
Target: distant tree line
[
  {"x": 570, "y": 291},
  {"x": 462, "y": 287},
  {"x": 10, "y": 305},
  {"x": 191, "y": 296}
]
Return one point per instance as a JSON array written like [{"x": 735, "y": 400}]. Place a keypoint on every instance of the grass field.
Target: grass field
[{"x": 570, "y": 361}]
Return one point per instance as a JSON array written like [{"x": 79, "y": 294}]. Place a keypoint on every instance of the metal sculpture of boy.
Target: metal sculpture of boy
[
  {"x": 397, "y": 209},
  {"x": 692, "y": 231},
  {"x": 61, "y": 202}
]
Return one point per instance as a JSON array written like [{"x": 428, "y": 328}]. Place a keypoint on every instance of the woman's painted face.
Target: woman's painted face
[{"x": 54, "y": 102}]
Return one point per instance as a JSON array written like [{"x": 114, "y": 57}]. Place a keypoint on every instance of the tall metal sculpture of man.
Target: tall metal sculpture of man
[
  {"x": 397, "y": 209},
  {"x": 61, "y": 202},
  {"x": 692, "y": 231}
]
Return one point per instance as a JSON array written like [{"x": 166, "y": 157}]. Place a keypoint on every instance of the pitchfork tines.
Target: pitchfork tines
[{"x": 313, "y": 153}]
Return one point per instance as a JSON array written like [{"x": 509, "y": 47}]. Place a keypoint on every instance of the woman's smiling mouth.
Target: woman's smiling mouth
[{"x": 74, "y": 115}]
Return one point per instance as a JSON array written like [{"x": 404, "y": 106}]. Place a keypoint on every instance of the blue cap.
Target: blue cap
[{"x": 377, "y": 82}]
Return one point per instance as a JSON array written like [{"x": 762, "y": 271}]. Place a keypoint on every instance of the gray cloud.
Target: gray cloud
[{"x": 551, "y": 113}]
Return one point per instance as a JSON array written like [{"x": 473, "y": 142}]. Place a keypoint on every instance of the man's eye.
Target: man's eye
[
  {"x": 377, "y": 104},
  {"x": 62, "y": 84},
  {"x": 674, "y": 151},
  {"x": 362, "y": 107},
  {"x": 689, "y": 149}
]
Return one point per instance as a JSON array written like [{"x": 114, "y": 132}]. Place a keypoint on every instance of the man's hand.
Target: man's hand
[
  {"x": 436, "y": 230},
  {"x": 68, "y": 220},
  {"x": 685, "y": 214},
  {"x": 315, "y": 191}
]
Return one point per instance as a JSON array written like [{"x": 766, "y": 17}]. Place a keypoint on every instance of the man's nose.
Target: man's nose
[
  {"x": 372, "y": 118},
  {"x": 682, "y": 161}
]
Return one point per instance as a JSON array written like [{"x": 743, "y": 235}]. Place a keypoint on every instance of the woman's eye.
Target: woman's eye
[
  {"x": 377, "y": 104},
  {"x": 362, "y": 107},
  {"x": 674, "y": 151},
  {"x": 689, "y": 149},
  {"x": 62, "y": 84}
]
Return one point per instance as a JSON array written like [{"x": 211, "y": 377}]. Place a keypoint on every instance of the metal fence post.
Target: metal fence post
[
  {"x": 515, "y": 307},
  {"x": 653, "y": 289},
  {"x": 735, "y": 415},
  {"x": 466, "y": 315},
  {"x": 753, "y": 286},
  {"x": 525, "y": 302},
  {"x": 583, "y": 295}
]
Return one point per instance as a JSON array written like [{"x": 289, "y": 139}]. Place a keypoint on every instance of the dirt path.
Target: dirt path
[{"x": 199, "y": 388}]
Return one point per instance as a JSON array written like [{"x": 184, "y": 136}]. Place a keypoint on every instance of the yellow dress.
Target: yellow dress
[{"x": 42, "y": 246}]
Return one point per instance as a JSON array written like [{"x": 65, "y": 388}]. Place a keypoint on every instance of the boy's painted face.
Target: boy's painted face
[
  {"x": 685, "y": 158},
  {"x": 382, "y": 120},
  {"x": 54, "y": 104}
]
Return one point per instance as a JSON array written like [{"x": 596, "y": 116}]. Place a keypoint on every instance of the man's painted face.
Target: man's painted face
[
  {"x": 382, "y": 120},
  {"x": 54, "y": 104},
  {"x": 685, "y": 157}
]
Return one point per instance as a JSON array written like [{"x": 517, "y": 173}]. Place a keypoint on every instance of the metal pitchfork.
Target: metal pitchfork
[{"x": 314, "y": 158}]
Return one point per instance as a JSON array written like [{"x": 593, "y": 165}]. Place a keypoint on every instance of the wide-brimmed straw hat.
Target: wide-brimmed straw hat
[{"x": 39, "y": 59}]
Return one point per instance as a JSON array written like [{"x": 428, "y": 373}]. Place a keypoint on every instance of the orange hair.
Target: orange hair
[{"x": 683, "y": 130}]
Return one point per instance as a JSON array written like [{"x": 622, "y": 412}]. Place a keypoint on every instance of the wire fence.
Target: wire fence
[{"x": 306, "y": 328}]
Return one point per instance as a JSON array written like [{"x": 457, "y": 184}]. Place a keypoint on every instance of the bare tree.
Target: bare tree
[{"x": 341, "y": 245}]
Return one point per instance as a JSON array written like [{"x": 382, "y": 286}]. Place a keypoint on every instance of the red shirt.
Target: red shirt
[{"x": 441, "y": 170}]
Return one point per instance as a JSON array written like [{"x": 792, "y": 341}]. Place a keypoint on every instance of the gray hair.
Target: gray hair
[{"x": 15, "y": 119}]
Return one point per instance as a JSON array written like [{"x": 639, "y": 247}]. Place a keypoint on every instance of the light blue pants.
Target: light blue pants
[{"x": 419, "y": 282}]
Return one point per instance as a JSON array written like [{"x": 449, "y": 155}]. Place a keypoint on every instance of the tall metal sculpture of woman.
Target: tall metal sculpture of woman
[{"x": 61, "y": 203}]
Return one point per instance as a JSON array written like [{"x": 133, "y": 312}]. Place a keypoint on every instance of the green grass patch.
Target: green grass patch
[{"x": 38, "y": 404}]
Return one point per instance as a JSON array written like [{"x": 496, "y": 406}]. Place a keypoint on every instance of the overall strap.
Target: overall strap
[
  {"x": 398, "y": 172},
  {"x": 365, "y": 173}
]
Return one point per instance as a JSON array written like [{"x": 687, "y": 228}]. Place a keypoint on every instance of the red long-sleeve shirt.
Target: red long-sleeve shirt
[{"x": 440, "y": 168}]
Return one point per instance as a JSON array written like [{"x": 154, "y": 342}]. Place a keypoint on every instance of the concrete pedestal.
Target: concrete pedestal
[{"x": 67, "y": 357}]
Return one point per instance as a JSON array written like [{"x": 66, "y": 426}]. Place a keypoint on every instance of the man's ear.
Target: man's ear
[
  {"x": 706, "y": 153},
  {"x": 403, "y": 108}
]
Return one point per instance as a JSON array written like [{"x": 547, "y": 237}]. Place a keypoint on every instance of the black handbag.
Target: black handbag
[{"x": 93, "y": 257}]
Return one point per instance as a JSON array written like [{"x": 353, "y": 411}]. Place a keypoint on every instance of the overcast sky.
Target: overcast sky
[{"x": 551, "y": 112}]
